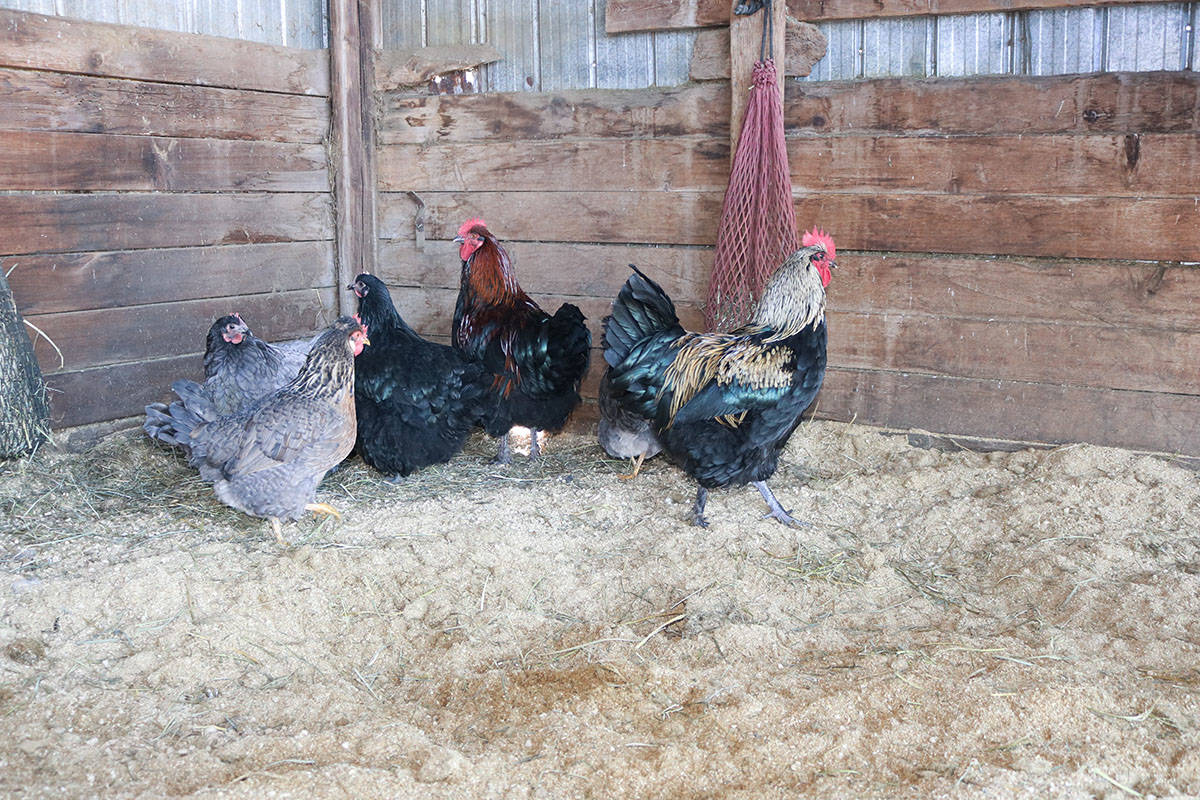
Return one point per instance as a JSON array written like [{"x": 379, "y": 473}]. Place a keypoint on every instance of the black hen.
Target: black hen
[
  {"x": 537, "y": 360},
  {"x": 724, "y": 404},
  {"x": 417, "y": 400}
]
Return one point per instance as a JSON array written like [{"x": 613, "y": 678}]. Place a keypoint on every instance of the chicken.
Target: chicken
[
  {"x": 267, "y": 459},
  {"x": 239, "y": 368},
  {"x": 417, "y": 400},
  {"x": 622, "y": 433},
  {"x": 537, "y": 360},
  {"x": 724, "y": 404}
]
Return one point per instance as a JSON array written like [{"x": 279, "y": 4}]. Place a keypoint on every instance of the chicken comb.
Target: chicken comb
[
  {"x": 362, "y": 325},
  {"x": 818, "y": 236},
  {"x": 469, "y": 224}
]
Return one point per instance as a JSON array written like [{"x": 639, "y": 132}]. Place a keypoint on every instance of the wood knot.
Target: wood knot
[
  {"x": 1133, "y": 150},
  {"x": 1091, "y": 115}
]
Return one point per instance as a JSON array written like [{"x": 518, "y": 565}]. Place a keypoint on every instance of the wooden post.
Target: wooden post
[
  {"x": 745, "y": 39},
  {"x": 352, "y": 34}
]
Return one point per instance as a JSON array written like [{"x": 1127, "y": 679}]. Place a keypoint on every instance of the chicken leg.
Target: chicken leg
[
  {"x": 504, "y": 454},
  {"x": 698, "y": 517},
  {"x": 637, "y": 467},
  {"x": 277, "y": 529},
  {"x": 534, "y": 449},
  {"x": 777, "y": 511},
  {"x": 325, "y": 509}
]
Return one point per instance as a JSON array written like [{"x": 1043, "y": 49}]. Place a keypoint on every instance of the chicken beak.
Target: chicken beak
[
  {"x": 366, "y": 342},
  {"x": 458, "y": 240}
]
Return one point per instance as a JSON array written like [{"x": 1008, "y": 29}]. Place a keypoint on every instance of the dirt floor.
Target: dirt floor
[{"x": 953, "y": 624}]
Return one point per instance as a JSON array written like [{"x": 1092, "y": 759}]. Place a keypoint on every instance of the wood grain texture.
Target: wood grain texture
[
  {"x": 73, "y": 222},
  {"x": 1072, "y": 227},
  {"x": 804, "y": 45},
  {"x": 46, "y": 284},
  {"x": 1013, "y": 410},
  {"x": 677, "y": 218},
  {"x": 100, "y": 162},
  {"x": 136, "y": 333},
  {"x": 62, "y": 44},
  {"x": 679, "y": 111},
  {"x": 51, "y": 101},
  {"x": 657, "y": 15},
  {"x": 595, "y": 270},
  {"x": 414, "y": 66},
  {"x": 74, "y": 399},
  {"x": 746, "y": 37},
  {"x": 1114, "y": 103},
  {"x": 690, "y": 163}
]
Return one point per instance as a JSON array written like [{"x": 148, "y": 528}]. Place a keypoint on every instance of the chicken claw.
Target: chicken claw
[
  {"x": 637, "y": 467},
  {"x": 698, "y": 517},
  {"x": 777, "y": 511},
  {"x": 324, "y": 508},
  {"x": 277, "y": 529}
]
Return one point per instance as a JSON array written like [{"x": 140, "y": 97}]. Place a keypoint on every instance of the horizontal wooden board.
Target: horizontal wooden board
[
  {"x": 413, "y": 66},
  {"x": 1083, "y": 355},
  {"x": 41, "y": 223},
  {"x": 44, "y": 284},
  {"x": 1150, "y": 165},
  {"x": 1117, "y": 103},
  {"x": 592, "y": 270},
  {"x": 51, "y": 101},
  {"x": 614, "y": 217},
  {"x": 1013, "y": 410},
  {"x": 678, "y": 111},
  {"x": 115, "y": 335},
  {"x": 99, "y": 162},
  {"x": 61, "y": 44},
  {"x": 665, "y": 15},
  {"x": 1120, "y": 295},
  {"x": 553, "y": 165},
  {"x": 1070, "y": 227},
  {"x": 804, "y": 45},
  {"x": 80, "y": 397}
]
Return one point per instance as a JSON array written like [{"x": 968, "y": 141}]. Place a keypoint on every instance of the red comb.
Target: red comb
[
  {"x": 818, "y": 236},
  {"x": 361, "y": 324},
  {"x": 471, "y": 223}
]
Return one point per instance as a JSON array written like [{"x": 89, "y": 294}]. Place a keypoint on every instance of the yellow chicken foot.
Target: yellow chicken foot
[
  {"x": 277, "y": 529},
  {"x": 637, "y": 467},
  {"x": 324, "y": 508}
]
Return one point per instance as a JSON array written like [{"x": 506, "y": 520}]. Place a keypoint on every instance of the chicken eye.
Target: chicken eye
[{"x": 818, "y": 257}]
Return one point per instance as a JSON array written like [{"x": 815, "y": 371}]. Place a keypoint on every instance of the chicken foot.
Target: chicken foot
[
  {"x": 777, "y": 511},
  {"x": 504, "y": 454},
  {"x": 637, "y": 467},
  {"x": 324, "y": 508},
  {"x": 698, "y": 517},
  {"x": 534, "y": 449}
]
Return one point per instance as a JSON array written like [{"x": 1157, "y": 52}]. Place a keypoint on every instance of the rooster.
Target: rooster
[
  {"x": 724, "y": 404},
  {"x": 537, "y": 361},
  {"x": 417, "y": 401},
  {"x": 239, "y": 368},
  {"x": 267, "y": 459}
]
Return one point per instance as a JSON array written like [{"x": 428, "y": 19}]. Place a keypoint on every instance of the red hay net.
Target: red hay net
[{"x": 758, "y": 220}]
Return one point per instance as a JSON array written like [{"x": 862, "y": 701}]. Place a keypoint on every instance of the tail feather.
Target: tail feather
[
  {"x": 641, "y": 309},
  {"x": 569, "y": 346}
]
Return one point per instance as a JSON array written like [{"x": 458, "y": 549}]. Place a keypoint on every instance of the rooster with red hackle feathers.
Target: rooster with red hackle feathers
[
  {"x": 723, "y": 405},
  {"x": 537, "y": 360}
]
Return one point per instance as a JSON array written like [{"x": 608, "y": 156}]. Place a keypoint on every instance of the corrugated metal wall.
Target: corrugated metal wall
[{"x": 294, "y": 23}]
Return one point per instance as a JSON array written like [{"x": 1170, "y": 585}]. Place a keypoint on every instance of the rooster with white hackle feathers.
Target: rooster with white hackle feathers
[
  {"x": 537, "y": 360},
  {"x": 723, "y": 405}
]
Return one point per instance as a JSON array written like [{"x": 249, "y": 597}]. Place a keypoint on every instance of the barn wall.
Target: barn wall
[
  {"x": 141, "y": 197},
  {"x": 1016, "y": 250}
]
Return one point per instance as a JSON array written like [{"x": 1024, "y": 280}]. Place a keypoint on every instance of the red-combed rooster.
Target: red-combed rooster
[
  {"x": 538, "y": 360},
  {"x": 724, "y": 404}
]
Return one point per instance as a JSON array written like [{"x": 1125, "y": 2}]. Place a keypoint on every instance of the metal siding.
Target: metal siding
[
  {"x": 564, "y": 42},
  {"x": 448, "y": 21},
  {"x": 1149, "y": 37},
  {"x": 672, "y": 57},
  {"x": 623, "y": 60},
  {"x": 973, "y": 44},
  {"x": 1064, "y": 41},
  {"x": 898, "y": 47},
  {"x": 842, "y": 59},
  {"x": 400, "y": 21},
  {"x": 510, "y": 26}
]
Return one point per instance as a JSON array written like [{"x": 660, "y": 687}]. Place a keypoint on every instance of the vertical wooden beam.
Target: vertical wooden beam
[
  {"x": 352, "y": 34},
  {"x": 745, "y": 40}
]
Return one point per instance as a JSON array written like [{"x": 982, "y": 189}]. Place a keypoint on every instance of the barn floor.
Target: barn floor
[{"x": 1020, "y": 624}]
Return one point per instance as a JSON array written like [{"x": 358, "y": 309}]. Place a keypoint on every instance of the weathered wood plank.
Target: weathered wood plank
[
  {"x": 658, "y": 15},
  {"x": 1112, "y": 293},
  {"x": 45, "y": 284},
  {"x": 804, "y": 45},
  {"x": 1013, "y": 410},
  {"x": 552, "y": 165},
  {"x": 414, "y": 66},
  {"x": 115, "y": 335},
  {"x": 613, "y": 217},
  {"x": 1065, "y": 227},
  {"x": 678, "y": 111},
  {"x": 1120, "y": 103},
  {"x": 99, "y": 162},
  {"x": 1132, "y": 165},
  {"x": 50, "y": 101},
  {"x": 595, "y": 270},
  {"x": 746, "y": 37},
  {"x": 61, "y": 44},
  {"x": 1084, "y": 355},
  {"x": 67, "y": 223},
  {"x": 79, "y": 397}
]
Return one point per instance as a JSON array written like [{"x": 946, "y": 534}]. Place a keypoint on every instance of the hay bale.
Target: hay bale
[{"x": 24, "y": 411}]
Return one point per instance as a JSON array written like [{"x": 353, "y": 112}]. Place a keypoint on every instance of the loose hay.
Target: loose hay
[{"x": 953, "y": 624}]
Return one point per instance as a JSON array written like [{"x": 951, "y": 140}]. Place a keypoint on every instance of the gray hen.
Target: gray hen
[{"x": 622, "y": 433}]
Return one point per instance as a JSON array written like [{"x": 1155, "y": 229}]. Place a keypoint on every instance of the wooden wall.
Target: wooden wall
[
  {"x": 1010, "y": 247},
  {"x": 151, "y": 181}
]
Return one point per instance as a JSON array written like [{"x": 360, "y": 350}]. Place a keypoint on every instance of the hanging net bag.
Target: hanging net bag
[{"x": 758, "y": 221}]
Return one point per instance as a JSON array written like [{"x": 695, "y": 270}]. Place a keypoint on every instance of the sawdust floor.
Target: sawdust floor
[{"x": 953, "y": 624}]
